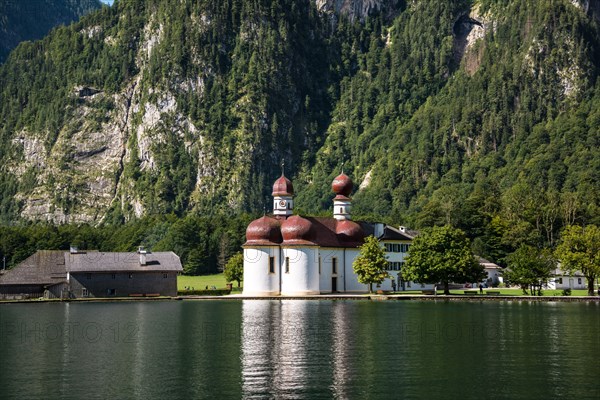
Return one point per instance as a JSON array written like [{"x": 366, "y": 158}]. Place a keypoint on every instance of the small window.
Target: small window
[
  {"x": 560, "y": 281},
  {"x": 287, "y": 265},
  {"x": 271, "y": 265},
  {"x": 579, "y": 281},
  {"x": 84, "y": 292},
  {"x": 334, "y": 265},
  {"x": 319, "y": 265},
  {"x": 165, "y": 276},
  {"x": 88, "y": 276},
  {"x": 114, "y": 276},
  {"x": 111, "y": 292},
  {"x": 130, "y": 276}
]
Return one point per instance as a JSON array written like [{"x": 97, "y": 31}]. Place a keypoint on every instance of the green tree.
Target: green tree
[
  {"x": 371, "y": 264},
  {"x": 529, "y": 267},
  {"x": 234, "y": 269},
  {"x": 442, "y": 254},
  {"x": 579, "y": 250}
]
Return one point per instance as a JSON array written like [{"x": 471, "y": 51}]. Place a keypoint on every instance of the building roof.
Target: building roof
[
  {"x": 265, "y": 231},
  {"x": 95, "y": 261},
  {"x": 283, "y": 187},
  {"x": 308, "y": 231},
  {"x": 45, "y": 267},
  {"x": 49, "y": 267},
  {"x": 342, "y": 185},
  {"x": 488, "y": 264},
  {"x": 391, "y": 233}
]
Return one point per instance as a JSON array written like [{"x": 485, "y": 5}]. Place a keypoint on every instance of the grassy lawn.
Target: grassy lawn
[
  {"x": 218, "y": 281},
  {"x": 503, "y": 292},
  {"x": 200, "y": 282},
  {"x": 519, "y": 292}
]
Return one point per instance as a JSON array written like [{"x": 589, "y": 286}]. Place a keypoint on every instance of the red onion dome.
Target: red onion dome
[
  {"x": 283, "y": 187},
  {"x": 263, "y": 231},
  {"x": 342, "y": 185},
  {"x": 297, "y": 230},
  {"x": 349, "y": 231}
]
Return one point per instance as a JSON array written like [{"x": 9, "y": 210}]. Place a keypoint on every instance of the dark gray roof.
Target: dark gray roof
[
  {"x": 391, "y": 233},
  {"x": 45, "y": 267},
  {"x": 95, "y": 261}
]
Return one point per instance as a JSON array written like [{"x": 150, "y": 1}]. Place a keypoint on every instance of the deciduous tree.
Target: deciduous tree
[
  {"x": 371, "y": 264},
  {"x": 234, "y": 269},
  {"x": 442, "y": 254},
  {"x": 529, "y": 267},
  {"x": 579, "y": 250}
]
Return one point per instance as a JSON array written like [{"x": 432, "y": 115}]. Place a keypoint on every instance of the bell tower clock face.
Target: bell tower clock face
[{"x": 281, "y": 203}]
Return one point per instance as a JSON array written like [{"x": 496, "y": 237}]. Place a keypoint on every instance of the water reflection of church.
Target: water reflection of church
[{"x": 287, "y": 254}]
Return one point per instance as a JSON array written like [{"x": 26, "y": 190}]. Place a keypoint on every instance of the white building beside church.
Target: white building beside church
[{"x": 291, "y": 255}]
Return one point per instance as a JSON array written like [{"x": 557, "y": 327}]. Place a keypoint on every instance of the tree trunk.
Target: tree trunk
[
  {"x": 446, "y": 288},
  {"x": 239, "y": 283},
  {"x": 590, "y": 280},
  {"x": 370, "y": 288}
]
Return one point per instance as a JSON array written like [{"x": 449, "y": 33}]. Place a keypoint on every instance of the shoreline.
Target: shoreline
[{"x": 336, "y": 297}]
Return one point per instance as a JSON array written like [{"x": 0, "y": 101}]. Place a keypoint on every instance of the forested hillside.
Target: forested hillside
[
  {"x": 483, "y": 114},
  {"x": 32, "y": 19}
]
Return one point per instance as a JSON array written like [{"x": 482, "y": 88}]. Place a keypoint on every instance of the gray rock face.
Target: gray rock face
[{"x": 356, "y": 8}]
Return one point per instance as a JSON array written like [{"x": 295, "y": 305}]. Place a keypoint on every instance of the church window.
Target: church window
[
  {"x": 271, "y": 265},
  {"x": 319, "y": 265},
  {"x": 334, "y": 265},
  {"x": 287, "y": 265}
]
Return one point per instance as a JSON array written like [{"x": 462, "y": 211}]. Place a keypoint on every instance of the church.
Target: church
[{"x": 290, "y": 255}]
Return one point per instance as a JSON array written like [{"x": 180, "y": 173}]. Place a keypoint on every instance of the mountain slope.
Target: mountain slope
[
  {"x": 32, "y": 20},
  {"x": 477, "y": 113},
  {"x": 509, "y": 132}
]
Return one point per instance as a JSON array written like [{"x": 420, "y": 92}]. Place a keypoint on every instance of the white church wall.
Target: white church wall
[
  {"x": 258, "y": 278},
  {"x": 329, "y": 257},
  {"x": 302, "y": 276}
]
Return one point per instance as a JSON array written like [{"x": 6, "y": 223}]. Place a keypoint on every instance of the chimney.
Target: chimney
[{"x": 142, "y": 252}]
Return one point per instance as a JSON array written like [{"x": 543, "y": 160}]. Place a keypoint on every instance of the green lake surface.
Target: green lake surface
[{"x": 300, "y": 350}]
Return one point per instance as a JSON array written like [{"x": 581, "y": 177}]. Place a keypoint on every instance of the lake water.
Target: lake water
[{"x": 300, "y": 349}]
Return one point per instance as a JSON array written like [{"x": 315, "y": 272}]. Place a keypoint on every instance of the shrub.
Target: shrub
[{"x": 216, "y": 292}]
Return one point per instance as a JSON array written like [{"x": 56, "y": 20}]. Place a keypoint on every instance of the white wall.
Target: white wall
[
  {"x": 352, "y": 284},
  {"x": 303, "y": 275},
  {"x": 572, "y": 282},
  {"x": 257, "y": 279}
]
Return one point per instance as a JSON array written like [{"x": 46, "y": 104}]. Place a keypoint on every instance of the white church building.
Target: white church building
[{"x": 291, "y": 255}]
